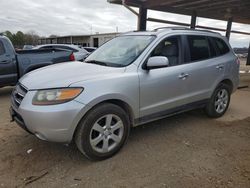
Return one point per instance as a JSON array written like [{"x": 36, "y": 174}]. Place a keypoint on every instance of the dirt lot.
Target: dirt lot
[{"x": 188, "y": 150}]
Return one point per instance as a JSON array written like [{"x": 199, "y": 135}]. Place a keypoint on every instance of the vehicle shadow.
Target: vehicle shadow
[
  {"x": 24, "y": 149},
  {"x": 139, "y": 135}
]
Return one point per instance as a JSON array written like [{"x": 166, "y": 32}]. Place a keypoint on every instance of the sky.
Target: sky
[{"x": 72, "y": 17}]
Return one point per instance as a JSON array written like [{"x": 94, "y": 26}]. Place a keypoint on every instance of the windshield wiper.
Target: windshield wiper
[{"x": 97, "y": 62}]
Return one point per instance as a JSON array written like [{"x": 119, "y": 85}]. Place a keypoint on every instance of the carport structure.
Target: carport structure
[{"x": 227, "y": 10}]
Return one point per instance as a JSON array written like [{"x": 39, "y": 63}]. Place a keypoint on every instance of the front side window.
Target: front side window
[
  {"x": 120, "y": 51},
  {"x": 2, "y": 50},
  {"x": 169, "y": 48},
  {"x": 199, "y": 48}
]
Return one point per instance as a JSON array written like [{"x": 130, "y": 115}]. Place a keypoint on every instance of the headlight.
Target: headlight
[{"x": 55, "y": 96}]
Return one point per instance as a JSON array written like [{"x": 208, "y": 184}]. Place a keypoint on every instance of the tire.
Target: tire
[
  {"x": 98, "y": 139},
  {"x": 219, "y": 101}
]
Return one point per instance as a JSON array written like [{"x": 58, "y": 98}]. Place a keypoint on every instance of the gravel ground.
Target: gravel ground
[{"x": 187, "y": 150}]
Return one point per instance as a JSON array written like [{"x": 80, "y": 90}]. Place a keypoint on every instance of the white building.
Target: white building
[{"x": 94, "y": 40}]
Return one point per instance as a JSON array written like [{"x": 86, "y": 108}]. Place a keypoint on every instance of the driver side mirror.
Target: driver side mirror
[{"x": 157, "y": 62}]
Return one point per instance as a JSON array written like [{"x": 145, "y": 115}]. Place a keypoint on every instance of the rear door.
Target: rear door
[
  {"x": 8, "y": 69},
  {"x": 204, "y": 67}
]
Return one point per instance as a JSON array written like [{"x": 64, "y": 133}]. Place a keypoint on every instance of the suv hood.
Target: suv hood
[{"x": 65, "y": 74}]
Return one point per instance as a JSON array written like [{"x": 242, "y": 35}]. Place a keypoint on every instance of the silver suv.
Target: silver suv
[{"x": 133, "y": 79}]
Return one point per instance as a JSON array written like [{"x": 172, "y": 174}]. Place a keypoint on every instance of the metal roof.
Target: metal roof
[{"x": 214, "y": 9}]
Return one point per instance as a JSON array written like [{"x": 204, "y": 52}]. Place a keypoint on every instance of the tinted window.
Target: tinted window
[
  {"x": 199, "y": 47},
  {"x": 221, "y": 45},
  {"x": 169, "y": 48},
  {"x": 212, "y": 48},
  {"x": 2, "y": 50}
]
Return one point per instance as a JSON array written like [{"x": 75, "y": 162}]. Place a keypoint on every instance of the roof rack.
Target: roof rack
[
  {"x": 184, "y": 28},
  {"x": 177, "y": 28}
]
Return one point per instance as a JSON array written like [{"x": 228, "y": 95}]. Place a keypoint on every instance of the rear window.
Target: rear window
[
  {"x": 199, "y": 47},
  {"x": 2, "y": 50},
  {"x": 221, "y": 46}
]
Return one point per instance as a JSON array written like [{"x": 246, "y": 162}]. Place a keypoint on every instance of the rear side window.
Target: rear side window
[
  {"x": 221, "y": 46},
  {"x": 2, "y": 50},
  {"x": 199, "y": 48},
  {"x": 212, "y": 47}
]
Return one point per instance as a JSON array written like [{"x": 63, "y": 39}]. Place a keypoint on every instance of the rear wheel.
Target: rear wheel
[
  {"x": 103, "y": 131},
  {"x": 219, "y": 101}
]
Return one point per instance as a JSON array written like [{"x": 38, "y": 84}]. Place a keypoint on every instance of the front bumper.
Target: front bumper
[
  {"x": 18, "y": 119},
  {"x": 55, "y": 123}
]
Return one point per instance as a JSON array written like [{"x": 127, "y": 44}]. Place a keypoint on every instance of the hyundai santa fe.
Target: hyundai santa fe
[{"x": 133, "y": 79}]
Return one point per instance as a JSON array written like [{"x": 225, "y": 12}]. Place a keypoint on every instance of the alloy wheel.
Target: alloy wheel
[
  {"x": 106, "y": 133},
  {"x": 221, "y": 101}
]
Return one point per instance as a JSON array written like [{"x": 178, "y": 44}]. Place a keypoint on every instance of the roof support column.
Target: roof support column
[
  {"x": 193, "y": 20},
  {"x": 142, "y": 19},
  {"x": 248, "y": 57},
  {"x": 229, "y": 27}
]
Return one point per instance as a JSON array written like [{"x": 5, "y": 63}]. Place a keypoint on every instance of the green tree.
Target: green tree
[
  {"x": 9, "y": 35},
  {"x": 20, "y": 39}
]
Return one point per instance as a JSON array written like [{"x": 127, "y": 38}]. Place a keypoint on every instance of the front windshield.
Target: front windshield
[{"x": 120, "y": 51}]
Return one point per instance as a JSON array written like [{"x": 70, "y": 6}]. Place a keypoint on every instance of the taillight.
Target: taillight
[{"x": 72, "y": 57}]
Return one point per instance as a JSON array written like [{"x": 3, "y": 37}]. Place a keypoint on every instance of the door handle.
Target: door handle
[
  {"x": 183, "y": 76},
  {"x": 220, "y": 67}
]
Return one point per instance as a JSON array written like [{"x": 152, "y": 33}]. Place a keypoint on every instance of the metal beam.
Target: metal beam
[
  {"x": 192, "y": 3},
  {"x": 150, "y": 4},
  {"x": 210, "y": 4},
  {"x": 248, "y": 57},
  {"x": 167, "y": 22},
  {"x": 142, "y": 19},
  {"x": 229, "y": 27},
  {"x": 193, "y": 20},
  {"x": 197, "y": 26},
  {"x": 130, "y": 9}
]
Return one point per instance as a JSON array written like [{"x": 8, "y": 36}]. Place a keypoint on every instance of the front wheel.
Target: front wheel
[
  {"x": 219, "y": 101},
  {"x": 103, "y": 131}
]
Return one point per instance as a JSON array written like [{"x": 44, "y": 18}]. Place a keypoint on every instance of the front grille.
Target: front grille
[{"x": 18, "y": 94}]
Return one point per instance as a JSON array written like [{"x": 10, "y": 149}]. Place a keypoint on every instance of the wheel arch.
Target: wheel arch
[
  {"x": 229, "y": 83},
  {"x": 121, "y": 103}
]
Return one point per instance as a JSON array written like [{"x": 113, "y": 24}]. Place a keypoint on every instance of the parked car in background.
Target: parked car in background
[
  {"x": 28, "y": 47},
  {"x": 132, "y": 79},
  {"x": 89, "y": 49},
  {"x": 79, "y": 53},
  {"x": 14, "y": 64}
]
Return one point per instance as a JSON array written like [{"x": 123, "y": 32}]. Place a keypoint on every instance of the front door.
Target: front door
[{"x": 162, "y": 90}]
